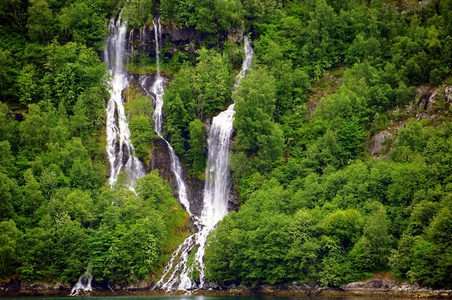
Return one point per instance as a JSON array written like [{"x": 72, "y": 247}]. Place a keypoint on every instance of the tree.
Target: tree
[
  {"x": 257, "y": 133},
  {"x": 211, "y": 83},
  {"x": 412, "y": 136},
  {"x": 33, "y": 130},
  {"x": 137, "y": 12},
  {"x": 141, "y": 134},
  {"x": 40, "y": 21},
  {"x": 14, "y": 12},
  {"x": 10, "y": 246},
  {"x": 70, "y": 248},
  {"x": 28, "y": 85},
  {"x": 156, "y": 193},
  {"x": 7, "y": 209},
  {"x": 79, "y": 121},
  {"x": 33, "y": 198},
  {"x": 376, "y": 239},
  {"x": 133, "y": 255},
  {"x": 83, "y": 25},
  {"x": 7, "y": 74},
  {"x": 37, "y": 261},
  {"x": 304, "y": 250},
  {"x": 73, "y": 69},
  {"x": 344, "y": 226},
  {"x": 198, "y": 92},
  {"x": 82, "y": 174},
  {"x": 197, "y": 142},
  {"x": 350, "y": 137}
]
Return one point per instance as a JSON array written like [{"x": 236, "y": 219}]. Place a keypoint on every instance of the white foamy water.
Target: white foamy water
[
  {"x": 216, "y": 193},
  {"x": 158, "y": 91},
  {"x": 119, "y": 147}
]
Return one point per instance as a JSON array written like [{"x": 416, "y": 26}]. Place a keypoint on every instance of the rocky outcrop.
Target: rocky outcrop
[
  {"x": 428, "y": 105},
  {"x": 392, "y": 288},
  {"x": 16, "y": 287},
  {"x": 161, "y": 161},
  {"x": 142, "y": 40},
  {"x": 378, "y": 141},
  {"x": 432, "y": 101},
  {"x": 370, "y": 286}
]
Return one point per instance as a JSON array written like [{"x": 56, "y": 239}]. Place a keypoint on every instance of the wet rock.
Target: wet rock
[
  {"x": 424, "y": 101},
  {"x": 269, "y": 288},
  {"x": 233, "y": 200},
  {"x": 179, "y": 35},
  {"x": 213, "y": 285},
  {"x": 448, "y": 94},
  {"x": 161, "y": 161},
  {"x": 141, "y": 40},
  {"x": 424, "y": 116}
]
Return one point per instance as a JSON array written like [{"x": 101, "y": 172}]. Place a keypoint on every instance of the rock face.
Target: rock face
[
  {"x": 161, "y": 161},
  {"x": 372, "y": 286},
  {"x": 142, "y": 40},
  {"x": 392, "y": 288},
  {"x": 15, "y": 287},
  {"x": 433, "y": 100},
  {"x": 428, "y": 104},
  {"x": 378, "y": 141}
]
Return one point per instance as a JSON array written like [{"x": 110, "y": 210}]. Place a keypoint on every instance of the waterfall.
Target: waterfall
[
  {"x": 216, "y": 189},
  {"x": 84, "y": 282},
  {"x": 158, "y": 86},
  {"x": 216, "y": 192},
  {"x": 158, "y": 90},
  {"x": 119, "y": 147}
]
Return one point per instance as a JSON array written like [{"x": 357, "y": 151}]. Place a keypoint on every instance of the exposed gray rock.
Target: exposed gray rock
[
  {"x": 378, "y": 140},
  {"x": 374, "y": 285}
]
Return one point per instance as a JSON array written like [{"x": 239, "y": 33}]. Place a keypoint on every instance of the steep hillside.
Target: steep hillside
[{"x": 340, "y": 160}]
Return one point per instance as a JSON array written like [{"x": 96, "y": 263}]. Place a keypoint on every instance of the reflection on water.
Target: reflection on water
[{"x": 185, "y": 297}]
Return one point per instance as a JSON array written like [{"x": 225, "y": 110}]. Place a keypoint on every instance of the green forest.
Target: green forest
[{"x": 315, "y": 206}]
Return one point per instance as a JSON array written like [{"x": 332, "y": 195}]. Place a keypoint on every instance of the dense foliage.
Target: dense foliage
[
  {"x": 326, "y": 77},
  {"x": 325, "y": 211},
  {"x": 58, "y": 215}
]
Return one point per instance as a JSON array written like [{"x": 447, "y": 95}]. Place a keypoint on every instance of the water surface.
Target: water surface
[{"x": 188, "y": 297}]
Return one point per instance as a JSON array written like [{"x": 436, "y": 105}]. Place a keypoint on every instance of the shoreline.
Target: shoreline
[{"x": 374, "y": 288}]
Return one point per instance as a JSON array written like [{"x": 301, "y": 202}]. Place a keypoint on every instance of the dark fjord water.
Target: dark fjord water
[{"x": 187, "y": 297}]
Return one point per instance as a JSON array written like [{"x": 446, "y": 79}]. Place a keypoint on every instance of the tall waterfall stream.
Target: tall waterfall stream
[
  {"x": 216, "y": 191},
  {"x": 119, "y": 147}
]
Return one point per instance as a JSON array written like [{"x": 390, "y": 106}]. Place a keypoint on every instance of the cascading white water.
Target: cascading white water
[
  {"x": 216, "y": 192},
  {"x": 158, "y": 90},
  {"x": 158, "y": 86},
  {"x": 119, "y": 147},
  {"x": 216, "y": 189},
  {"x": 84, "y": 282}
]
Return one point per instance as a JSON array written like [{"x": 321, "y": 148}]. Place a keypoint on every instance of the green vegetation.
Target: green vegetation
[
  {"x": 315, "y": 206},
  {"x": 57, "y": 212},
  {"x": 195, "y": 93}
]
